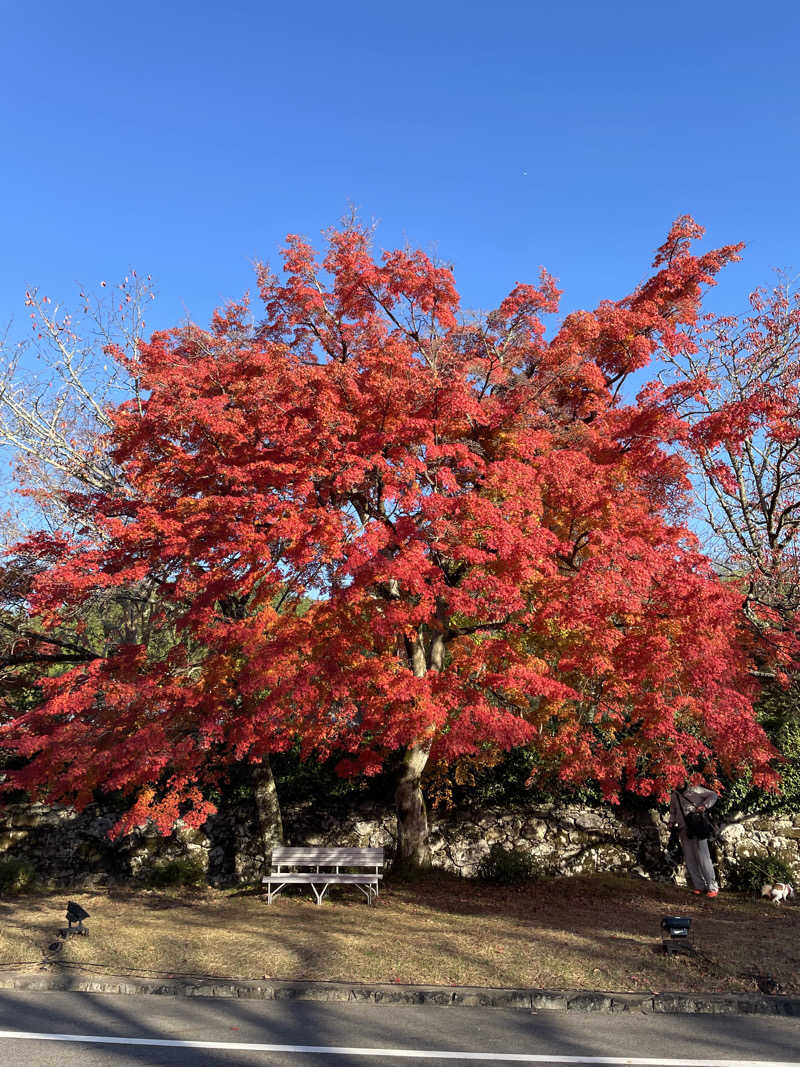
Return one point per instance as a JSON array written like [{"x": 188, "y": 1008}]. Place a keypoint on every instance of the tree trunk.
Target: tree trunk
[
  {"x": 413, "y": 850},
  {"x": 268, "y": 821}
]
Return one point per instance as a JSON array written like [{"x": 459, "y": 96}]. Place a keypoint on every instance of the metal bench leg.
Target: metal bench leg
[
  {"x": 319, "y": 895},
  {"x": 369, "y": 890},
  {"x": 273, "y": 892}
]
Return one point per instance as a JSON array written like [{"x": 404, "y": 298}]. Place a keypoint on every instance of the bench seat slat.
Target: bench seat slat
[
  {"x": 310, "y": 876},
  {"x": 343, "y": 856},
  {"x": 331, "y": 875}
]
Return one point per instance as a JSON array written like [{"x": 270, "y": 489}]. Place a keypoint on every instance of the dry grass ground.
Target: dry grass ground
[{"x": 581, "y": 933}]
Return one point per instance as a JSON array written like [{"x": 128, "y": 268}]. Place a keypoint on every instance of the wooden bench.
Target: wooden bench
[{"x": 322, "y": 867}]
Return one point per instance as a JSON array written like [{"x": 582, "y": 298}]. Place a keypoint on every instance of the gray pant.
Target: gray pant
[{"x": 698, "y": 862}]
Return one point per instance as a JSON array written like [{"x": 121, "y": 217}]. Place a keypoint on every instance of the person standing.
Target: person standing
[{"x": 694, "y": 798}]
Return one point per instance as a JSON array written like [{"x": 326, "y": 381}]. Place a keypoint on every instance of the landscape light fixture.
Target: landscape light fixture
[
  {"x": 677, "y": 934},
  {"x": 75, "y": 914}
]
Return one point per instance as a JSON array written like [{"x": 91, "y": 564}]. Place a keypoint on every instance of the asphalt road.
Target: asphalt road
[{"x": 425, "y": 1035}]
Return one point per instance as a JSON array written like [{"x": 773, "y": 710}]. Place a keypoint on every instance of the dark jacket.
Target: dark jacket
[{"x": 691, "y": 798}]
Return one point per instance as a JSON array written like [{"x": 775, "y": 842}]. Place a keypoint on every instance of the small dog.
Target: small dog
[{"x": 781, "y": 891}]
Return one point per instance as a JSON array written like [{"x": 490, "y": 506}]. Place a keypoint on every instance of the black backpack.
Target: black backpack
[{"x": 698, "y": 825}]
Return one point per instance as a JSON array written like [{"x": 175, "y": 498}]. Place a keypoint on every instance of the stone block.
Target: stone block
[
  {"x": 542, "y": 1000},
  {"x": 631, "y": 1002},
  {"x": 698, "y": 1004},
  {"x": 255, "y": 991},
  {"x": 11, "y": 837},
  {"x": 589, "y": 1001},
  {"x": 492, "y": 998},
  {"x": 397, "y": 996},
  {"x": 319, "y": 991},
  {"x": 589, "y": 820}
]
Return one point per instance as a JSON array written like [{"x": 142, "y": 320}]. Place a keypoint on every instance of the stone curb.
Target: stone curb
[{"x": 469, "y": 996}]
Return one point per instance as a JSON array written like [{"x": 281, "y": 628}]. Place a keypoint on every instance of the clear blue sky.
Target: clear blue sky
[{"x": 186, "y": 139}]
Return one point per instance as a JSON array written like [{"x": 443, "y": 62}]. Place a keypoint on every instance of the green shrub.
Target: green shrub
[
  {"x": 779, "y": 714},
  {"x": 181, "y": 871},
  {"x": 748, "y": 875},
  {"x": 16, "y": 875},
  {"x": 510, "y": 866}
]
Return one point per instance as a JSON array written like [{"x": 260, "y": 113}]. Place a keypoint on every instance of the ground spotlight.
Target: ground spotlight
[
  {"x": 75, "y": 914},
  {"x": 677, "y": 934}
]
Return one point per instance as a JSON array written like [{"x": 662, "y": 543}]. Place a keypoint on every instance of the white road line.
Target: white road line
[{"x": 404, "y": 1053}]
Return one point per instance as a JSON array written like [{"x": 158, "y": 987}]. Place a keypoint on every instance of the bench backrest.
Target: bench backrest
[{"x": 327, "y": 857}]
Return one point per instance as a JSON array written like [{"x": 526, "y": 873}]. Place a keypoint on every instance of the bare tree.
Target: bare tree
[
  {"x": 55, "y": 390},
  {"x": 739, "y": 391}
]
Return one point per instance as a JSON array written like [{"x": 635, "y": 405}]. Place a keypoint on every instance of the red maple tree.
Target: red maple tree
[{"x": 392, "y": 533}]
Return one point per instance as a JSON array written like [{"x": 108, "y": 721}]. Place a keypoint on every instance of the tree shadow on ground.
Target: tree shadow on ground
[{"x": 567, "y": 933}]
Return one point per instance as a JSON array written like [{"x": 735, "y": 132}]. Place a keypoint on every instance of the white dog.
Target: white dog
[{"x": 778, "y": 892}]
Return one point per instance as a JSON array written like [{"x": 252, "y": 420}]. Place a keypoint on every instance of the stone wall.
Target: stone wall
[
  {"x": 566, "y": 840},
  {"x": 761, "y": 835},
  {"x": 67, "y": 848},
  {"x": 562, "y": 840}
]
